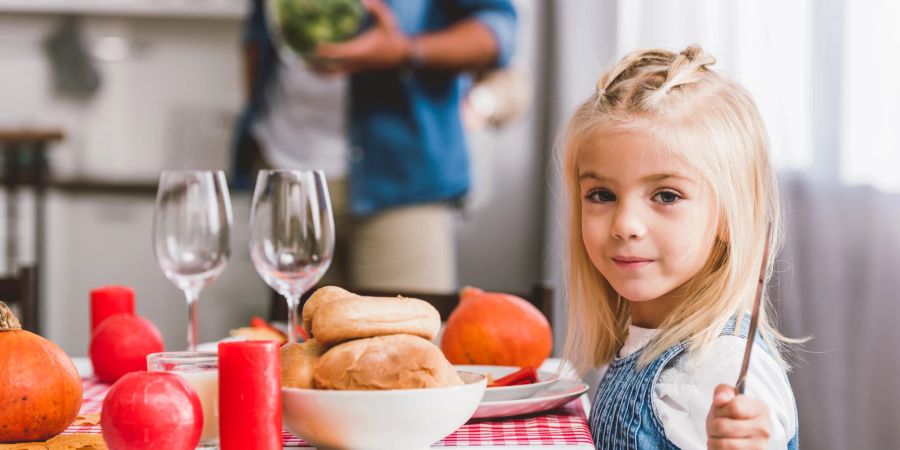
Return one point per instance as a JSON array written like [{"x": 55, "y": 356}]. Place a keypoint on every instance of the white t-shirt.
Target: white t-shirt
[
  {"x": 683, "y": 393},
  {"x": 305, "y": 125}
]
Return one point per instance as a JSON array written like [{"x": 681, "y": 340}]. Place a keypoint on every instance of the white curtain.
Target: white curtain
[
  {"x": 838, "y": 283},
  {"x": 870, "y": 145},
  {"x": 824, "y": 75}
]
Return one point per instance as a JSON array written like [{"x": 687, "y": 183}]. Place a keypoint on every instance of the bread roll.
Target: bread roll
[
  {"x": 298, "y": 363},
  {"x": 347, "y": 318},
  {"x": 322, "y": 296},
  {"x": 398, "y": 361}
]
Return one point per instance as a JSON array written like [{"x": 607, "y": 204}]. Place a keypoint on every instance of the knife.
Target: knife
[{"x": 754, "y": 317}]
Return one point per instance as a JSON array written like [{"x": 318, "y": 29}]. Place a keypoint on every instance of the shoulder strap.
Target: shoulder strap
[{"x": 742, "y": 331}]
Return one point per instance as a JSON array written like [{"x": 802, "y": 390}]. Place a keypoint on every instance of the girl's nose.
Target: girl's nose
[{"x": 627, "y": 223}]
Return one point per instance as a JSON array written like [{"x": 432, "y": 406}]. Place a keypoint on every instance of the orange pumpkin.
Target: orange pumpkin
[
  {"x": 496, "y": 329},
  {"x": 40, "y": 390}
]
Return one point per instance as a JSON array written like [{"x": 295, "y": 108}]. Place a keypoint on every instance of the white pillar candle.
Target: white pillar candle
[{"x": 206, "y": 383}]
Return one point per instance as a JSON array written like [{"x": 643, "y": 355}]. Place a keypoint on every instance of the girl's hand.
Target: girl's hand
[{"x": 736, "y": 421}]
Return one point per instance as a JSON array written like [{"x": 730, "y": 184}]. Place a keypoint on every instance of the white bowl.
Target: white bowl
[
  {"x": 402, "y": 419},
  {"x": 504, "y": 393}
]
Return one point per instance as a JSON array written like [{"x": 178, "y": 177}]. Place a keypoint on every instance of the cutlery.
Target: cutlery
[{"x": 754, "y": 317}]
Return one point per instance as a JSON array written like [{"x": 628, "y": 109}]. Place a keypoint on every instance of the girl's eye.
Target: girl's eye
[
  {"x": 666, "y": 197},
  {"x": 600, "y": 196}
]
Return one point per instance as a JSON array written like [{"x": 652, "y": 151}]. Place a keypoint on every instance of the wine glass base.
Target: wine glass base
[{"x": 211, "y": 444}]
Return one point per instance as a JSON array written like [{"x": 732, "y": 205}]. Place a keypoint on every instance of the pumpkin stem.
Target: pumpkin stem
[{"x": 8, "y": 321}]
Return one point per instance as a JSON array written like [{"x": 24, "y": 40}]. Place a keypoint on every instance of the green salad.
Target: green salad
[{"x": 305, "y": 23}]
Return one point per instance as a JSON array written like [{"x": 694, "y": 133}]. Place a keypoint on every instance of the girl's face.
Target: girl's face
[{"x": 647, "y": 221}]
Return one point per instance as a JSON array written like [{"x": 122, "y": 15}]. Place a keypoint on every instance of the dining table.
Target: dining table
[{"x": 563, "y": 428}]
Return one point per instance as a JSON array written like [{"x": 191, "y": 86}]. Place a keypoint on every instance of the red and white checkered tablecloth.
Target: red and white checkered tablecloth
[{"x": 561, "y": 427}]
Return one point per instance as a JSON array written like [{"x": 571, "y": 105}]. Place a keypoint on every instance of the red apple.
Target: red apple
[
  {"x": 151, "y": 410},
  {"x": 120, "y": 345}
]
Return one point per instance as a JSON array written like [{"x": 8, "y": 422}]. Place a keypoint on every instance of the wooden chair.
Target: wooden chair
[
  {"x": 540, "y": 295},
  {"x": 20, "y": 292},
  {"x": 23, "y": 152}
]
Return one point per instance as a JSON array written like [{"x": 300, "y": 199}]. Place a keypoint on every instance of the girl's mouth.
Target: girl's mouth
[{"x": 631, "y": 262}]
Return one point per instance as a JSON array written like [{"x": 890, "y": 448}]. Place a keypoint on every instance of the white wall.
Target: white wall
[
  {"x": 106, "y": 239},
  {"x": 500, "y": 238},
  {"x": 167, "y": 99}
]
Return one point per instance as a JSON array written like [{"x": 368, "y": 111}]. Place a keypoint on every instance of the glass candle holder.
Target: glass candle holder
[{"x": 201, "y": 371}]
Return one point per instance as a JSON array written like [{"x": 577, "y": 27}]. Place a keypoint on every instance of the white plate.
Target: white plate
[
  {"x": 554, "y": 396},
  {"x": 501, "y": 393},
  {"x": 214, "y": 346}
]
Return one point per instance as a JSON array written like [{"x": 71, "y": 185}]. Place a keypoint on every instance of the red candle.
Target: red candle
[
  {"x": 249, "y": 395},
  {"x": 108, "y": 301}
]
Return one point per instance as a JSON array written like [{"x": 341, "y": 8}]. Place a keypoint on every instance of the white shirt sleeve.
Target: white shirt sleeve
[{"x": 683, "y": 393}]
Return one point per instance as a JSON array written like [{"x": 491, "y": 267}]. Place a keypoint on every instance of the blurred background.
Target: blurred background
[{"x": 114, "y": 91}]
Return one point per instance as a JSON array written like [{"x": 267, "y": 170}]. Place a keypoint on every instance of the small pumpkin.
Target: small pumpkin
[
  {"x": 494, "y": 328},
  {"x": 40, "y": 389}
]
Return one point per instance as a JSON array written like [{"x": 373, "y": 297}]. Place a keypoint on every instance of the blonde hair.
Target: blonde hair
[{"x": 713, "y": 123}]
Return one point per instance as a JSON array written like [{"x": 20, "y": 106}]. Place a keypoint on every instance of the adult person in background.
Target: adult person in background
[{"x": 407, "y": 157}]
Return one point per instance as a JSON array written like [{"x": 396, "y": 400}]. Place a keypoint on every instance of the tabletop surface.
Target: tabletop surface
[{"x": 563, "y": 428}]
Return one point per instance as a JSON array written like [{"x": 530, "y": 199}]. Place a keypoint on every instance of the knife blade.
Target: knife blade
[{"x": 754, "y": 317}]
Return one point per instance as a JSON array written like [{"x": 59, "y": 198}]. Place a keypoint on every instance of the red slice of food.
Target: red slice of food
[{"x": 525, "y": 375}]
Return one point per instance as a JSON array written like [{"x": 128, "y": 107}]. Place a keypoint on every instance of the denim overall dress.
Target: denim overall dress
[{"x": 623, "y": 416}]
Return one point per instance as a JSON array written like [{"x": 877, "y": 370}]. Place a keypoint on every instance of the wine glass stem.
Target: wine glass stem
[
  {"x": 193, "y": 336},
  {"x": 292, "y": 302}
]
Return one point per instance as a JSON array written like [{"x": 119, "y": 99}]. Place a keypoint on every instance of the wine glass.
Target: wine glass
[
  {"x": 191, "y": 228},
  {"x": 291, "y": 233}
]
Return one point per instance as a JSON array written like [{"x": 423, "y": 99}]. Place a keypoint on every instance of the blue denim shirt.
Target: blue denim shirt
[{"x": 407, "y": 143}]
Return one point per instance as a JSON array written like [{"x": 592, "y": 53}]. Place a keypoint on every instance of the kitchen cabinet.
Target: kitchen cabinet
[{"x": 106, "y": 238}]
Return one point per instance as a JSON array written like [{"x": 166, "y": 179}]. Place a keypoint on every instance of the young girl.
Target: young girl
[{"x": 671, "y": 193}]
